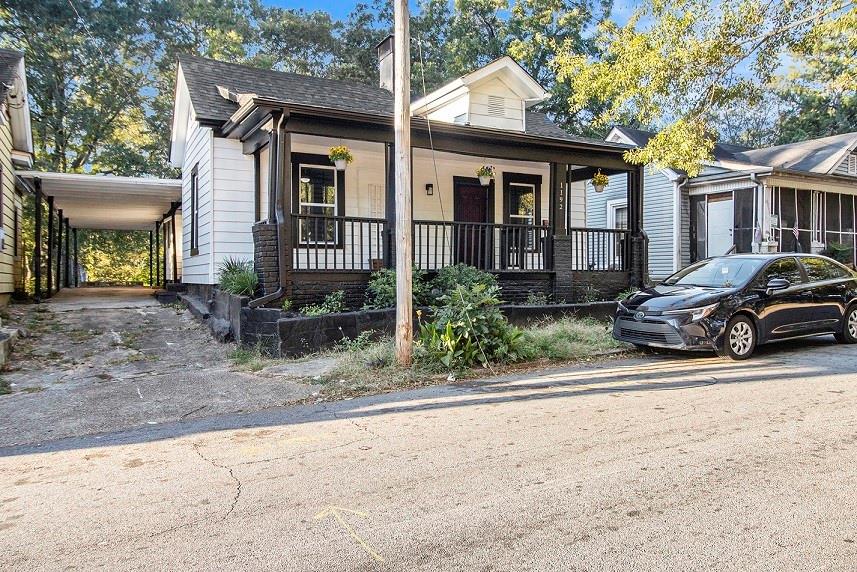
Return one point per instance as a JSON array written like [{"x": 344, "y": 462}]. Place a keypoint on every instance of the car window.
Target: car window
[
  {"x": 724, "y": 272},
  {"x": 819, "y": 269},
  {"x": 786, "y": 268}
]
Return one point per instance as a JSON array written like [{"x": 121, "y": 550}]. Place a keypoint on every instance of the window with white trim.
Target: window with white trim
[{"x": 522, "y": 208}]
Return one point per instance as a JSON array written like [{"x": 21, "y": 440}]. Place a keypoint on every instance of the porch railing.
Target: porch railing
[
  {"x": 339, "y": 242},
  {"x": 488, "y": 246},
  {"x": 600, "y": 249}
]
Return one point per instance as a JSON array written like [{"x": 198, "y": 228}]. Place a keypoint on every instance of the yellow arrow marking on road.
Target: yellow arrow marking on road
[{"x": 336, "y": 512}]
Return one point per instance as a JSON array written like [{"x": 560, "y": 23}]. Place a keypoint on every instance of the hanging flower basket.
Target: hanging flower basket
[
  {"x": 340, "y": 156},
  {"x": 600, "y": 181},
  {"x": 485, "y": 174}
]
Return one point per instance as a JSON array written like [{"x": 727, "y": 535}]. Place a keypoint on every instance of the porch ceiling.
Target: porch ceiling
[{"x": 108, "y": 202}]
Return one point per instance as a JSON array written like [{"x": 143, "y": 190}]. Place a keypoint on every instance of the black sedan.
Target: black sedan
[{"x": 731, "y": 304}]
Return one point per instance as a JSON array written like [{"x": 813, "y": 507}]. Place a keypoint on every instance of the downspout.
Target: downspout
[
  {"x": 276, "y": 205},
  {"x": 679, "y": 184}
]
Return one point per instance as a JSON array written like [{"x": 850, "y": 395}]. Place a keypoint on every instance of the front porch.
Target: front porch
[{"x": 527, "y": 225}]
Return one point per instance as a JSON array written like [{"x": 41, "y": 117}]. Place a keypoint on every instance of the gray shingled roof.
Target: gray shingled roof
[
  {"x": 203, "y": 75},
  {"x": 722, "y": 151},
  {"x": 812, "y": 156},
  {"x": 9, "y": 60}
]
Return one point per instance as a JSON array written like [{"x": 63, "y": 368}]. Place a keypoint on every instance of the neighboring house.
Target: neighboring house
[
  {"x": 16, "y": 152},
  {"x": 745, "y": 200},
  {"x": 253, "y": 145}
]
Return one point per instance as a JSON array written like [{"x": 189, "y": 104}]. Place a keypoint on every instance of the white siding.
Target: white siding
[
  {"x": 10, "y": 266},
  {"x": 234, "y": 203},
  {"x": 198, "y": 269},
  {"x": 848, "y": 166},
  {"x": 658, "y": 217},
  {"x": 494, "y": 104}
]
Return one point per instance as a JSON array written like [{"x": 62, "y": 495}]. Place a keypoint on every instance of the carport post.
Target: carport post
[
  {"x": 59, "y": 249},
  {"x": 158, "y": 253},
  {"x": 50, "y": 285},
  {"x": 67, "y": 281},
  {"x": 37, "y": 249},
  {"x": 75, "y": 267},
  {"x": 150, "y": 258},
  {"x": 173, "y": 239},
  {"x": 164, "y": 230}
]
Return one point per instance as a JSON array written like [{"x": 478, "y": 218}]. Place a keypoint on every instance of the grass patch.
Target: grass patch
[
  {"x": 5, "y": 388},
  {"x": 249, "y": 359},
  {"x": 569, "y": 339},
  {"x": 367, "y": 367}
]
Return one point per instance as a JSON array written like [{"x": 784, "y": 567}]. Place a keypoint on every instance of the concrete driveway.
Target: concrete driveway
[
  {"x": 666, "y": 462},
  {"x": 104, "y": 359}
]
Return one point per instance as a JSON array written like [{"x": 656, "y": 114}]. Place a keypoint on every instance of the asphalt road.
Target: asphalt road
[{"x": 654, "y": 463}]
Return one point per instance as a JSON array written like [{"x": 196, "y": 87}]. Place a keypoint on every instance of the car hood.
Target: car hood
[{"x": 662, "y": 298}]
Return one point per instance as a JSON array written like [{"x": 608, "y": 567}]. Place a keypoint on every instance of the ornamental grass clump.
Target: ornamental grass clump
[
  {"x": 467, "y": 328},
  {"x": 238, "y": 277}
]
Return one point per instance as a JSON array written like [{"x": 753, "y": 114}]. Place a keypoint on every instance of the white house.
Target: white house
[{"x": 258, "y": 184}]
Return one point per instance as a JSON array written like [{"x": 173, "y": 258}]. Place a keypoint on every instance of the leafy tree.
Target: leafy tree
[
  {"x": 85, "y": 63},
  {"x": 677, "y": 61}
]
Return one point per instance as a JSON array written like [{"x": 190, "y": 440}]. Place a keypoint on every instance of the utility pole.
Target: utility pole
[{"x": 402, "y": 154}]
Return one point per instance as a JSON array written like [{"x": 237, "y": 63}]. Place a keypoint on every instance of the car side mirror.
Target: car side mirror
[{"x": 776, "y": 284}]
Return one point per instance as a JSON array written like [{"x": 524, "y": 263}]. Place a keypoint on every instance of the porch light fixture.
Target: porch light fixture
[
  {"x": 429, "y": 189},
  {"x": 340, "y": 156},
  {"x": 599, "y": 181}
]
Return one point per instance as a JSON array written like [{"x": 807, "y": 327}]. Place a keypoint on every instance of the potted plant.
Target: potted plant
[
  {"x": 485, "y": 174},
  {"x": 340, "y": 156},
  {"x": 599, "y": 181}
]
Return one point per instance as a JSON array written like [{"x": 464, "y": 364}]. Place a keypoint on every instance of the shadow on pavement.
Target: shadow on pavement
[{"x": 657, "y": 372}]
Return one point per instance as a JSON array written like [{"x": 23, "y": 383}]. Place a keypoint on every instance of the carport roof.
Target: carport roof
[{"x": 108, "y": 202}]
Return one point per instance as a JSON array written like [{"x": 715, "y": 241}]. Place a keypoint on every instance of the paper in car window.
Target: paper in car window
[{"x": 724, "y": 270}]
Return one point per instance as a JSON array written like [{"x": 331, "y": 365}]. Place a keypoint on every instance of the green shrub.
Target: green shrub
[
  {"x": 537, "y": 299},
  {"x": 333, "y": 303},
  {"x": 286, "y": 305},
  {"x": 381, "y": 292},
  {"x": 450, "y": 277},
  {"x": 468, "y": 328},
  {"x": 238, "y": 277},
  {"x": 839, "y": 252},
  {"x": 625, "y": 294}
]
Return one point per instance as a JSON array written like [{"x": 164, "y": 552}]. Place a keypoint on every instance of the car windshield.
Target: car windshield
[{"x": 717, "y": 273}]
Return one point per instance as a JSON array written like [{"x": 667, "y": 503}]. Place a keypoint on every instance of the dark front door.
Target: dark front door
[{"x": 471, "y": 233}]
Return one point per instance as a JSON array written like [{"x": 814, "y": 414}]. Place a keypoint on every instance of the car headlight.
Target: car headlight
[{"x": 696, "y": 314}]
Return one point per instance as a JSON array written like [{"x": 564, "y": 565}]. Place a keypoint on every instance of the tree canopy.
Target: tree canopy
[
  {"x": 680, "y": 64},
  {"x": 102, "y": 72}
]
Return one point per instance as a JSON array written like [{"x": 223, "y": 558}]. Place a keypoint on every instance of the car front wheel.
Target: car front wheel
[
  {"x": 848, "y": 335},
  {"x": 740, "y": 339}
]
